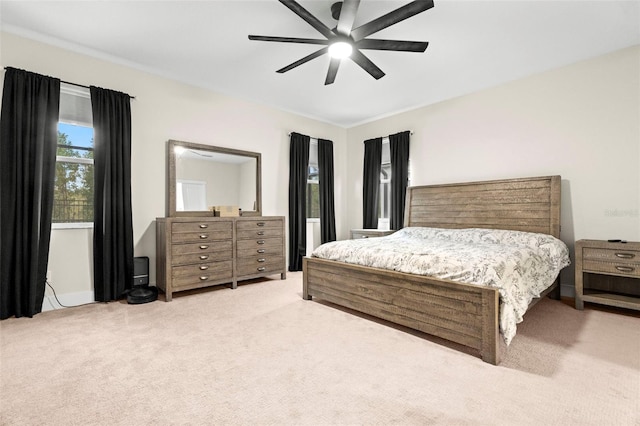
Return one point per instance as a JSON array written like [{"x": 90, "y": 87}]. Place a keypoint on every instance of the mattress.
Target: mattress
[{"x": 521, "y": 265}]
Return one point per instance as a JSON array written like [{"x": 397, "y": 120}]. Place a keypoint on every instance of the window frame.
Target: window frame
[
  {"x": 74, "y": 91},
  {"x": 313, "y": 144}
]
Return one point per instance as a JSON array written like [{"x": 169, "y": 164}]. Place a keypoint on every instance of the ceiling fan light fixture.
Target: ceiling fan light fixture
[{"x": 340, "y": 49}]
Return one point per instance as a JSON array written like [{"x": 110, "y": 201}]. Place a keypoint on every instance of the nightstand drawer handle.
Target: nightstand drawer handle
[
  {"x": 260, "y": 242},
  {"x": 365, "y": 236},
  {"x": 204, "y": 257},
  {"x": 204, "y": 236},
  {"x": 203, "y": 226},
  {"x": 262, "y": 268},
  {"x": 204, "y": 247},
  {"x": 261, "y": 260},
  {"x": 204, "y": 268},
  {"x": 625, "y": 268},
  {"x": 260, "y": 233},
  {"x": 203, "y": 278},
  {"x": 625, "y": 255},
  {"x": 260, "y": 223},
  {"x": 261, "y": 250}
]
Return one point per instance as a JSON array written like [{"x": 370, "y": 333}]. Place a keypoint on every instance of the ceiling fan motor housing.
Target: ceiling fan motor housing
[{"x": 335, "y": 10}]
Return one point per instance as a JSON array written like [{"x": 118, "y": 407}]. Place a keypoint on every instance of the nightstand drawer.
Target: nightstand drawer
[
  {"x": 626, "y": 269},
  {"x": 608, "y": 255}
]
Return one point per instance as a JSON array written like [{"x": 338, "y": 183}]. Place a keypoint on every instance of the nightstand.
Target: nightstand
[
  {"x": 369, "y": 233},
  {"x": 608, "y": 273}
]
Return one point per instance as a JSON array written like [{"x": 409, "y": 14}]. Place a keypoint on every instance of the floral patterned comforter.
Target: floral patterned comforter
[{"x": 519, "y": 264}]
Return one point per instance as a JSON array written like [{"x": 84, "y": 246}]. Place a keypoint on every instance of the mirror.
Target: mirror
[{"x": 202, "y": 176}]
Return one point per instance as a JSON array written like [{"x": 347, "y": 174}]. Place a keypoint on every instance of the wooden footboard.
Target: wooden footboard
[{"x": 461, "y": 313}]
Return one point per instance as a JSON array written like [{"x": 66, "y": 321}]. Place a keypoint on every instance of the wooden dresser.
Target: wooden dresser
[{"x": 194, "y": 252}]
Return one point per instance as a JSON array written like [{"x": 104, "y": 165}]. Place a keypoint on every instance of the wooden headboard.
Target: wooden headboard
[{"x": 523, "y": 204}]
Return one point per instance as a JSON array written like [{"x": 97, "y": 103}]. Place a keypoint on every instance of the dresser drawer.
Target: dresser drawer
[
  {"x": 259, "y": 265},
  {"x": 203, "y": 236},
  {"x": 255, "y": 250},
  {"x": 262, "y": 243},
  {"x": 203, "y": 247},
  {"x": 200, "y": 226},
  {"x": 248, "y": 225},
  {"x": 202, "y": 273},
  {"x": 259, "y": 233},
  {"x": 190, "y": 258},
  {"x": 609, "y": 255}
]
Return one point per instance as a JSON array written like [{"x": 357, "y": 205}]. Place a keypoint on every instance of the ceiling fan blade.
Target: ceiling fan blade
[
  {"x": 366, "y": 64},
  {"x": 400, "y": 14},
  {"x": 347, "y": 16},
  {"x": 333, "y": 70},
  {"x": 289, "y": 39},
  {"x": 303, "y": 60},
  {"x": 397, "y": 45},
  {"x": 308, "y": 17}
]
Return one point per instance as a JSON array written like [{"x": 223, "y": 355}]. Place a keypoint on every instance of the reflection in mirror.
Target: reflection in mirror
[{"x": 204, "y": 176}]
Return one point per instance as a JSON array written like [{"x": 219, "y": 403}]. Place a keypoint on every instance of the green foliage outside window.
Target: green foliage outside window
[{"x": 73, "y": 187}]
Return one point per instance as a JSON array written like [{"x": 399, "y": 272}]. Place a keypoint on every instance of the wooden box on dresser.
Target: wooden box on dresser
[
  {"x": 608, "y": 273},
  {"x": 194, "y": 252}
]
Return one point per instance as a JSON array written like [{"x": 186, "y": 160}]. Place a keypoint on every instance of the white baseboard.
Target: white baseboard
[{"x": 68, "y": 299}]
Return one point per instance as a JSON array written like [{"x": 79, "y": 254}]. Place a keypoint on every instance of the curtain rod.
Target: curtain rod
[
  {"x": 87, "y": 87},
  {"x": 289, "y": 134},
  {"x": 76, "y": 84}
]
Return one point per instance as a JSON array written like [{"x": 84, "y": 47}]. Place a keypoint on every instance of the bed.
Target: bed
[{"x": 459, "y": 312}]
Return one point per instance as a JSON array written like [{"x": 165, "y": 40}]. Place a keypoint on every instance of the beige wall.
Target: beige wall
[
  {"x": 581, "y": 122},
  {"x": 163, "y": 110}
]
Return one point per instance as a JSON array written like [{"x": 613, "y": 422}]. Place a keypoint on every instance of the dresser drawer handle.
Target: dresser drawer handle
[
  {"x": 625, "y": 255},
  {"x": 260, "y": 233},
  {"x": 204, "y": 267},
  {"x": 203, "y": 226},
  {"x": 204, "y": 247},
  {"x": 260, "y": 223},
  {"x": 204, "y": 257},
  {"x": 625, "y": 268},
  {"x": 203, "y": 236},
  {"x": 261, "y": 250},
  {"x": 262, "y": 268},
  {"x": 204, "y": 278},
  {"x": 260, "y": 242},
  {"x": 261, "y": 260}
]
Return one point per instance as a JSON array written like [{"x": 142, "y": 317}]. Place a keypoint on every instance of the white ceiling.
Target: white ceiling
[{"x": 473, "y": 45}]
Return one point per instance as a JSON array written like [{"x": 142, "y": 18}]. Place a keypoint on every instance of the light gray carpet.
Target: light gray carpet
[{"x": 262, "y": 355}]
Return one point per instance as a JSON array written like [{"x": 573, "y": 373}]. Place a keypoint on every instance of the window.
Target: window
[
  {"x": 73, "y": 187},
  {"x": 313, "y": 182},
  {"x": 384, "y": 196}
]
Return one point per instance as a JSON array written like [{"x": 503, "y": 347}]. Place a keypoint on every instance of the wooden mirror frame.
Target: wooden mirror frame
[{"x": 171, "y": 176}]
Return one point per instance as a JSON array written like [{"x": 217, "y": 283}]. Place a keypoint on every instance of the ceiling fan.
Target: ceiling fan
[{"x": 346, "y": 41}]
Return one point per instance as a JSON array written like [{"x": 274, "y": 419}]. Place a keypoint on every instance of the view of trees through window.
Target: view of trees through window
[
  {"x": 73, "y": 187},
  {"x": 313, "y": 192}
]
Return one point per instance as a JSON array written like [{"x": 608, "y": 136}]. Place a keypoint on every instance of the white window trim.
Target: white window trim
[
  {"x": 72, "y": 225},
  {"x": 74, "y": 160}
]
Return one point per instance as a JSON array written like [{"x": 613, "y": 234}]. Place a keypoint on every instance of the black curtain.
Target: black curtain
[
  {"x": 28, "y": 139},
  {"x": 298, "y": 175},
  {"x": 371, "y": 182},
  {"x": 399, "y": 147},
  {"x": 327, "y": 208},
  {"x": 113, "y": 228}
]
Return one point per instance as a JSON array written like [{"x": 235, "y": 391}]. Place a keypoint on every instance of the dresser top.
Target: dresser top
[{"x": 216, "y": 218}]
